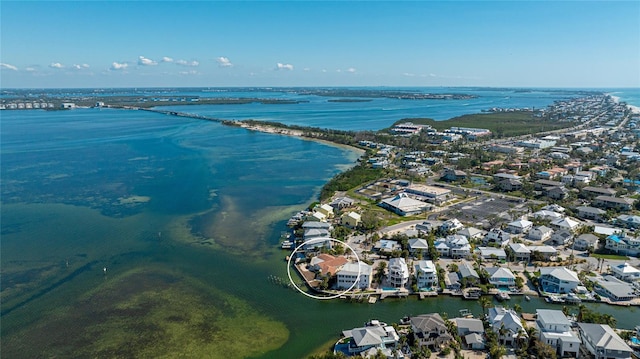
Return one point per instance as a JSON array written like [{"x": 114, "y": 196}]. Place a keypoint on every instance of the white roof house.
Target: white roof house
[
  {"x": 371, "y": 337},
  {"x": 521, "y": 226},
  {"x": 418, "y": 244},
  {"x": 566, "y": 223},
  {"x": 501, "y": 277},
  {"x": 507, "y": 320},
  {"x": 555, "y": 329},
  {"x": 520, "y": 251},
  {"x": 348, "y": 275},
  {"x": 425, "y": 272},
  {"x": 558, "y": 279},
  {"x": 492, "y": 253},
  {"x": 398, "y": 272},
  {"x": 626, "y": 272},
  {"x": 541, "y": 233}
]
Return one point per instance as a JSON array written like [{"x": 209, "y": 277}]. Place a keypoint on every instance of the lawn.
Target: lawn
[{"x": 610, "y": 256}]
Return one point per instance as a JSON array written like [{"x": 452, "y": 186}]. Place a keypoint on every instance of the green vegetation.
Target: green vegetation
[
  {"x": 609, "y": 256},
  {"x": 349, "y": 179},
  {"x": 500, "y": 123}
]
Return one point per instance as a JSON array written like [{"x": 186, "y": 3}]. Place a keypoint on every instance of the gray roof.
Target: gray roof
[
  {"x": 418, "y": 243},
  {"x": 587, "y": 237},
  {"x": 467, "y": 270},
  {"x": 474, "y": 338},
  {"x": 428, "y": 322},
  {"x": 551, "y": 316},
  {"x": 604, "y": 337},
  {"x": 368, "y": 336},
  {"x": 469, "y": 325},
  {"x": 499, "y": 272},
  {"x": 561, "y": 273}
]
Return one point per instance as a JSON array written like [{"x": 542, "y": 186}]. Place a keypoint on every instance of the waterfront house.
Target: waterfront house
[
  {"x": 586, "y": 241},
  {"x": 351, "y": 219},
  {"x": 614, "y": 289},
  {"x": 554, "y": 329},
  {"x": 426, "y": 275},
  {"x": 506, "y": 324},
  {"x": 472, "y": 332},
  {"x": 558, "y": 280},
  {"x": 540, "y": 233},
  {"x": 316, "y": 243},
  {"x": 626, "y": 272},
  {"x": 501, "y": 277},
  {"x": 468, "y": 274},
  {"x": 520, "y": 226},
  {"x": 373, "y": 336},
  {"x": 398, "y": 272},
  {"x": 430, "y": 330},
  {"x": 404, "y": 205},
  {"x": 325, "y": 209},
  {"x": 497, "y": 236},
  {"x": 603, "y": 342},
  {"x": 326, "y": 264},
  {"x": 348, "y": 275}
]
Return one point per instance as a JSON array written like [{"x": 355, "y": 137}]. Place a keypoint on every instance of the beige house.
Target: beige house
[{"x": 351, "y": 219}]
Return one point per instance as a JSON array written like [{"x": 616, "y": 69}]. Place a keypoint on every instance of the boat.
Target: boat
[
  {"x": 527, "y": 298},
  {"x": 287, "y": 245},
  {"x": 500, "y": 296},
  {"x": 471, "y": 293}
]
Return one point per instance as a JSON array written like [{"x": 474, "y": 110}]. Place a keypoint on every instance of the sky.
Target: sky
[{"x": 586, "y": 44}]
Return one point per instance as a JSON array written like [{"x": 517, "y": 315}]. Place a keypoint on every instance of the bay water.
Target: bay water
[{"x": 90, "y": 196}]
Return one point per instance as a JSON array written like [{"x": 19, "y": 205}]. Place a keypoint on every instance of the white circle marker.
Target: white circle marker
[{"x": 315, "y": 296}]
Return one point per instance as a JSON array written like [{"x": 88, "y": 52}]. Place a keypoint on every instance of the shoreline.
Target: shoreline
[{"x": 634, "y": 109}]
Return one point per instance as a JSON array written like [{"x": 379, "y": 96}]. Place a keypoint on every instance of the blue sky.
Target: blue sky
[{"x": 302, "y": 43}]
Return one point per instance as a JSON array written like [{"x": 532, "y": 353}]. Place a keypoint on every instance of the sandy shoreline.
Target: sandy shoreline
[
  {"x": 295, "y": 133},
  {"x": 634, "y": 109}
]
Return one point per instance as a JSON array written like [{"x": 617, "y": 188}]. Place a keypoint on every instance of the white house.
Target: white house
[
  {"x": 501, "y": 277},
  {"x": 426, "y": 275},
  {"x": 543, "y": 252},
  {"x": 541, "y": 233},
  {"x": 558, "y": 279},
  {"x": 404, "y": 205},
  {"x": 603, "y": 342},
  {"x": 585, "y": 241},
  {"x": 566, "y": 223},
  {"x": 398, "y": 272},
  {"x": 490, "y": 253},
  {"x": 520, "y": 252},
  {"x": 451, "y": 225},
  {"x": 506, "y": 324},
  {"x": 418, "y": 244},
  {"x": 554, "y": 329},
  {"x": 623, "y": 244},
  {"x": 349, "y": 275},
  {"x": 521, "y": 226},
  {"x": 497, "y": 236},
  {"x": 561, "y": 237},
  {"x": 626, "y": 272}
]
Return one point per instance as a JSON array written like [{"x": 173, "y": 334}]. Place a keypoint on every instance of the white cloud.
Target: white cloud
[
  {"x": 166, "y": 59},
  {"x": 143, "y": 61},
  {"x": 187, "y": 63},
  {"x": 8, "y": 67},
  {"x": 307, "y": 69},
  {"x": 56, "y": 65},
  {"x": 191, "y": 72},
  {"x": 224, "y": 62},
  {"x": 324, "y": 70},
  {"x": 30, "y": 69},
  {"x": 280, "y": 66},
  {"x": 80, "y": 67},
  {"x": 116, "y": 66},
  {"x": 408, "y": 74},
  {"x": 351, "y": 70}
]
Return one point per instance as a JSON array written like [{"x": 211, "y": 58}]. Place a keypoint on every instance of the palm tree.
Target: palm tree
[{"x": 485, "y": 303}]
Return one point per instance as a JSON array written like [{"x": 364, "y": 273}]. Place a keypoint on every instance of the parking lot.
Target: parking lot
[{"x": 483, "y": 207}]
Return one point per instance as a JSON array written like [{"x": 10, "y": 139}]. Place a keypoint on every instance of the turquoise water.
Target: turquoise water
[{"x": 87, "y": 189}]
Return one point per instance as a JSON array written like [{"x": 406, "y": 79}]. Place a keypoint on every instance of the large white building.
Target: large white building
[
  {"x": 426, "y": 275},
  {"x": 558, "y": 279},
  {"x": 398, "y": 272},
  {"x": 348, "y": 275},
  {"x": 555, "y": 329}
]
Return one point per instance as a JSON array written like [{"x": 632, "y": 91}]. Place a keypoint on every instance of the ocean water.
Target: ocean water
[{"x": 187, "y": 206}]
